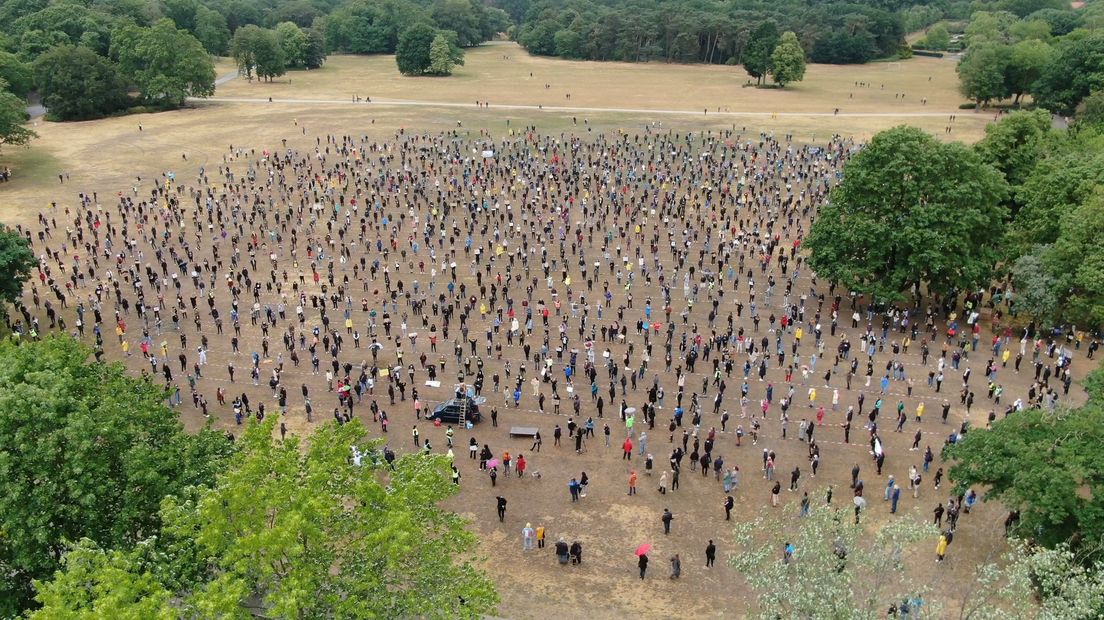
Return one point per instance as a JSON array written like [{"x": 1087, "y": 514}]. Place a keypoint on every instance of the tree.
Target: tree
[
  {"x": 412, "y": 55},
  {"x": 1092, "y": 110},
  {"x": 13, "y": 130},
  {"x": 1062, "y": 180},
  {"x": 293, "y": 44},
  {"x": 910, "y": 210},
  {"x": 464, "y": 17},
  {"x": 1033, "y": 582},
  {"x": 1075, "y": 70},
  {"x": 18, "y": 74},
  {"x": 937, "y": 39},
  {"x": 838, "y": 570},
  {"x": 1034, "y": 286},
  {"x": 760, "y": 46},
  {"x": 301, "y": 532},
  {"x": 316, "y": 49},
  {"x": 1025, "y": 64},
  {"x": 88, "y": 452},
  {"x": 981, "y": 72},
  {"x": 16, "y": 261},
  {"x": 1077, "y": 264},
  {"x": 440, "y": 56},
  {"x": 212, "y": 31},
  {"x": 1047, "y": 465},
  {"x": 258, "y": 50},
  {"x": 1016, "y": 144},
  {"x": 167, "y": 64},
  {"x": 88, "y": 572},
  {"x": 787, "y": 60},
  {"x": 77, "y": 84}
]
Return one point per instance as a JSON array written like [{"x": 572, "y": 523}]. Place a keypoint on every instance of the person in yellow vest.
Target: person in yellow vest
[
  {"x": 540, "y": 537},
  {"x": 941, "y": 548}
]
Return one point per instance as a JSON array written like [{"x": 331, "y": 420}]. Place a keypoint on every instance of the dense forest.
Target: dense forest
[{"x": 722, "y": 31}]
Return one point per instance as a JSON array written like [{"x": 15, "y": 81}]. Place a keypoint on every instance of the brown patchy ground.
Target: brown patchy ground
[{"x": 105, "y": 156}]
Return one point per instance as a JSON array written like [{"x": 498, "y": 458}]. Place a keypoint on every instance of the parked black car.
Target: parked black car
[{"x": 449, "y": 411}]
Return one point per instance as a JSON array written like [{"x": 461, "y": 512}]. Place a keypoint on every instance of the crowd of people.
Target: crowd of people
[{"x": 649, "y": 287}]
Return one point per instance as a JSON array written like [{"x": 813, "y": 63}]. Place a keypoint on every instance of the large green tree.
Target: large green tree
[
  {"x": 257, "y": 50},
  {"x": 412, "y": 54},
  {"x": 981, "y": 72},
  {"x": 1077, "y": 263},
  {"x": 13, "y": 130},
  {"x": 18, "y": 74},
  {"x": 910, "y": 210},
  {"x": 86, "y": 451},
  {"x": 787, "y": 60},
  {"x": 1048, "y": 465},
  {"x": 1075, "y": 70},
  {"x": 760, "y": 46},
  {"x": 293, "y": 531},
  {"x": 1016, "y": 144},
  {"x": 1026, "y": 62},
  {"x": 77, "y": 84},
  {"x": 212, "y": 31},
  {"x": 16, "y": 261},
  {"x": 168, "y": 65}
]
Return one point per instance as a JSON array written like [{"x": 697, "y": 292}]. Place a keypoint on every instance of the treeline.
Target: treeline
[
  {"x": 1054, "y": 55},
  {"x": 705, "y": 31}
]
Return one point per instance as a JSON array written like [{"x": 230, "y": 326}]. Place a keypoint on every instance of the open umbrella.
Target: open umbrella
[
  {"x": 644, "y": 548},
  {"x": 492, "y": 463}
]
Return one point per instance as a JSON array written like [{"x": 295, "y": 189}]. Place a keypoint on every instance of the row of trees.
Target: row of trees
[
  {"x": 375, "y": 26},
  {"x": 1023, "y": 205},
  {"x": 111, "y": 510},
  {"x": 1010, "y": 58},
  {"x": 708, "y": 31},
  {"x": 270, "y": 53}
]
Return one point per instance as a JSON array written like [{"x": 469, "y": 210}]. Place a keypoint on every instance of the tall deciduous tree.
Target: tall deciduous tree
[
  {"x": 168, "y": 65},
  {"x": 16, "y": 262},
  {"x": 1075, "y": 70},
  {"x": 910, "y": 210},
  {"x": 760, "y": 46},
  {"x": 440, "y": 56},
  {"x": 256, "y": 50},
  {"x": 297, "y": 533},
  {"x": 13, "y": 130},
  {"x": 1047, "y": 465},
  {"x": 981, "y": 72},
  {"x": 78, "y": 84},
  {"x": 787, "y": 60},
  {"x": 1016, "y": 144},
  {"x": 412, "y": 55},
  {"x": 85, "y": 451}
]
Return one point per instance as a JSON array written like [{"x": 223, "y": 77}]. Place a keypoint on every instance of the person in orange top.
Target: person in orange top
[{"x": 632, "y": 482}]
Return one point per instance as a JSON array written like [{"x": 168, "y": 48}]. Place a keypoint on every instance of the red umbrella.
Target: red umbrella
[{"x": 642, "y": 549}]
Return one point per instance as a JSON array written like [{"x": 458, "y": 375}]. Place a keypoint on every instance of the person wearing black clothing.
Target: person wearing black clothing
[
  {"x": 643, "y": 564},
  {"x": 728, "y": 504},
  {"x": 576, "y": 552},
  {"x": 710, "y": 554},
  {"x": 501, "y": 508},
  {"x": 562, "y": 551},
  {"x": 666, "y": 518}
]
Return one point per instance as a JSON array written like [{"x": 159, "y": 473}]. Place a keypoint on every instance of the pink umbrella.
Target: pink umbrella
[
  {"x": 492, "y": 463},
  {"x": 642, "y": 549}
]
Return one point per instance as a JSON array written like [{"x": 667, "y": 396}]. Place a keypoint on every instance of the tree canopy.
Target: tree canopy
[
  {"x": 16, "y": 262},
  {"x": 86, "y": 451},
  {"x": 910, "y": 210},
  {"x": 296, "y": 531},
  {"x": 414, "y": 55},
  {"x": 13, "y": 130},
  {"x": 167, "y": 64},
  {"x": 708, "y": 31},
  {"x": 787, "y": 60},
  {"x": 1047, "y": 465},
  {"x": 76, "y": 83}
]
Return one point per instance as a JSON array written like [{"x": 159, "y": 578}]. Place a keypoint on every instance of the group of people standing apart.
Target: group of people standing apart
[{"x": 646, "y": 286}]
